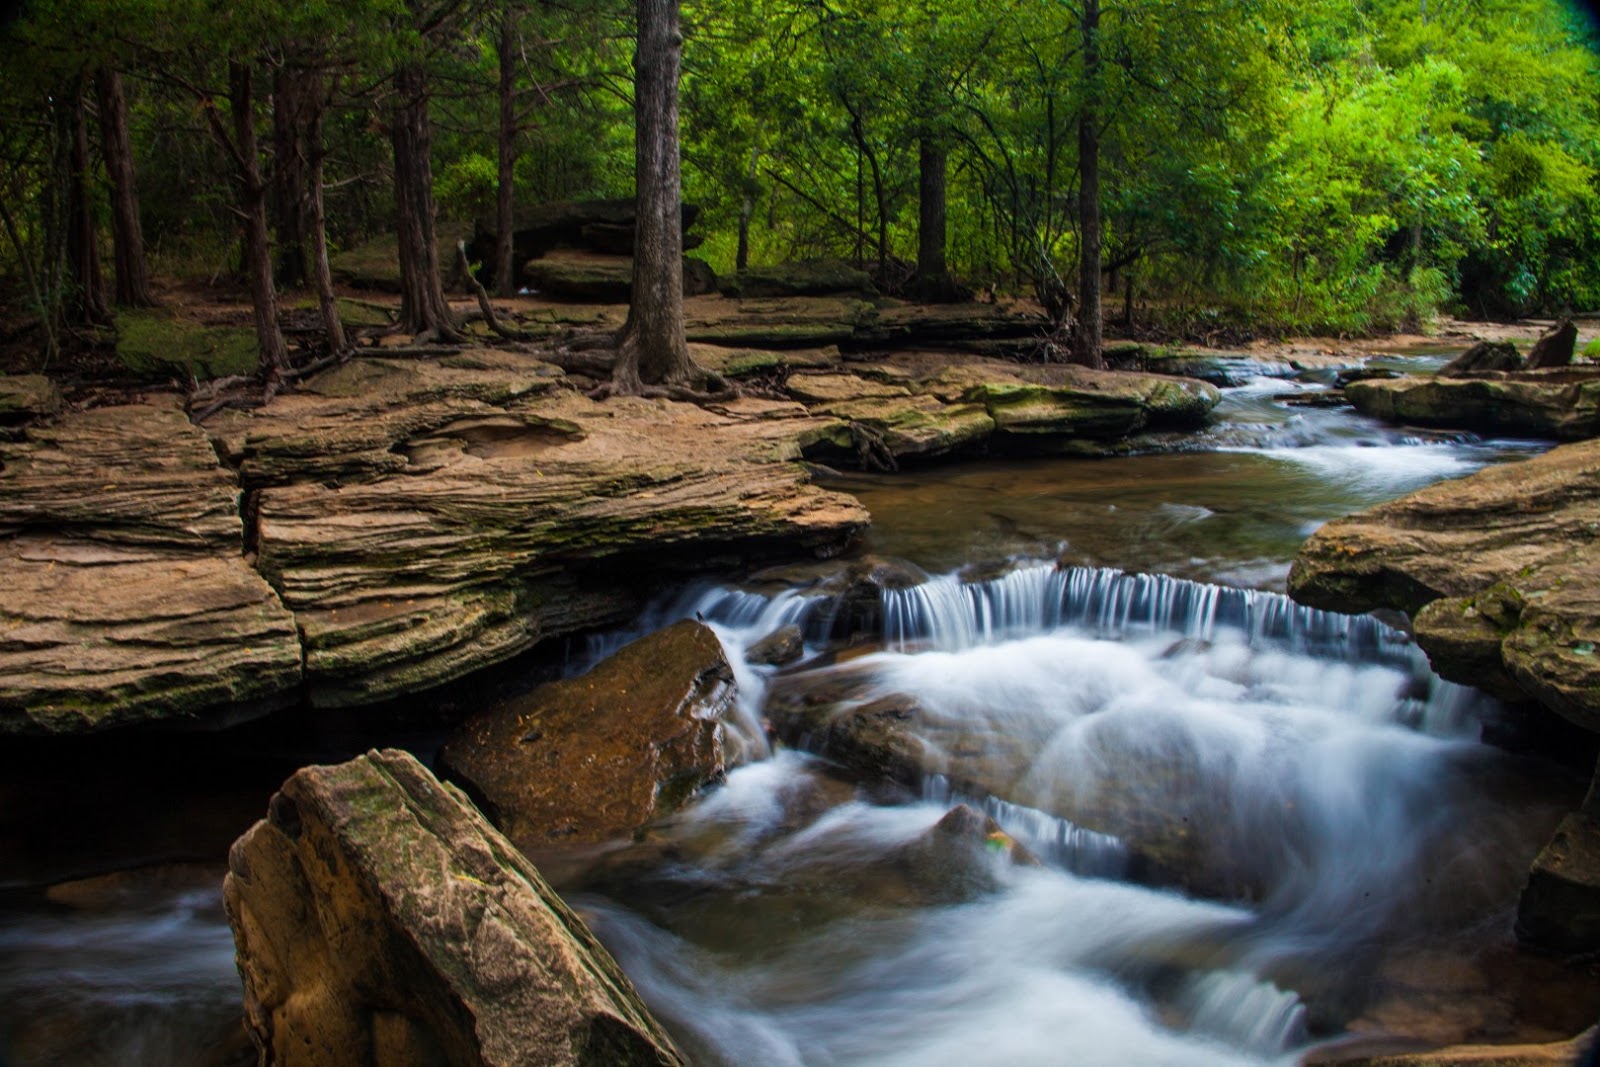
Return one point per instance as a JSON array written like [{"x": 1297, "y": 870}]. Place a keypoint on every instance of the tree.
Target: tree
[
  {"x": 127, "y": 234},
  {"x": 651, "y": 349}
]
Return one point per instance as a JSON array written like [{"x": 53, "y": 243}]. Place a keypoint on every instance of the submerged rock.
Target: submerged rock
[
  {"x": 596, "y": 758},
  {"x": 379, "y": 919},
  {"x": 779, "y": 648}
]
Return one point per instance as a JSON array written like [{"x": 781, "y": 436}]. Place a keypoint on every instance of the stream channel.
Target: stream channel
[{"x": 1339, "y": 852}]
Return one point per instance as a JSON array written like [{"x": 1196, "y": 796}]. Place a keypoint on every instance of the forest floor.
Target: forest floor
[{"x": 151, "y": 357}]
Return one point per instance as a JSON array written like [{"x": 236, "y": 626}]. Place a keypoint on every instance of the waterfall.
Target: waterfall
[{"x": 950, "y": 614}]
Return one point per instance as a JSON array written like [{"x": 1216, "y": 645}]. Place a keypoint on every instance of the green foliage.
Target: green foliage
[{"x": 1321, "y": 166}]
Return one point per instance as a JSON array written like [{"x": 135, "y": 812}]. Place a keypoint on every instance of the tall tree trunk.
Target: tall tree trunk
[
  {"x": 933, "y": 277},
  {"x": 423, "y": 308},
  {"x": 747, "y": 206},
  {"x": 127, "y": 236},
  {"x": 289, "y": 182},
  {"x": 322, "y": 274},
  {"x": 651, "y": 349},
  {"x": 1086, "y": 342},
  {"x": 253, "y": 206},
  {"x": 88, "y": 304},
  {"x": 505, "y": 188}
]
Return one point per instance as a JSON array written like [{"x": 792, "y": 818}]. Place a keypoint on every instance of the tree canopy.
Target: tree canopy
[{"x": 1310, "y": 166}]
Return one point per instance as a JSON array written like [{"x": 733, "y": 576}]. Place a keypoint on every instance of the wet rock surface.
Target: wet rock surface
[
  {"x": 1498, "y": 570},
  {"x": 597, "y": 757},
  {"x": 380, "y": 919}
]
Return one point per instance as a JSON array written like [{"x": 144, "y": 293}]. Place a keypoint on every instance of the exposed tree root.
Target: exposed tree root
[{"x": 464, "y": 268}]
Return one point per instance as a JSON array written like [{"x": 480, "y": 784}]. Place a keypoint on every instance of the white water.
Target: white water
[{"x": 1311, "y": 756}]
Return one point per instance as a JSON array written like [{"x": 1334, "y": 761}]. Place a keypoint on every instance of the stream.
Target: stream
[{"x": 1258, "y": 827}]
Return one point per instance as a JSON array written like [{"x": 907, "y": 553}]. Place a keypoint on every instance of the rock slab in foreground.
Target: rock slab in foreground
[
  {"x": 595, "y": 758},
  {"x": 379, "y": 919}
]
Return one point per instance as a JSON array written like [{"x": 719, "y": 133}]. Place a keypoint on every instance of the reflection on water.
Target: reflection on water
[
  {"x": 142, "y": 974},
  {"x": 1231, "y": 507}
]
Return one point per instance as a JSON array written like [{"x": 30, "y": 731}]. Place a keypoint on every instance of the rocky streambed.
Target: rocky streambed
[{"x": 1244, "y": 808}]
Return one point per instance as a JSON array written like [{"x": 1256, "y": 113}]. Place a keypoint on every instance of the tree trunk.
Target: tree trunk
[
  {"x": 423, "y": 308},
  {"x": 505, "y": 190},
  {"x": 1086, "y": 342},
  {"x": 747, "y": 206},
  {"x": 933, "y": 277},
  {"x": 83, "y": 246},
  {"x": 253, "y": 207},
  {"x": 127, "y": 236},
  {"x": 289, "y": 182},
  {"x": 651, "y": 348},
  {"x": 327, "y": 302}
]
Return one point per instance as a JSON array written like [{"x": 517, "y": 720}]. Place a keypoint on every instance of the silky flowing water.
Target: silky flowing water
[{"x": 1258, "y": 826}]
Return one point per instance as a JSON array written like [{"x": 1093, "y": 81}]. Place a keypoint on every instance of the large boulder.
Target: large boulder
[
  {"x": 1562, "y": 404},
  {"x": 380, "y": 919},
  {"x": 26, "y": 397},
  {"x": 603, "y": 226},
  {"x": 596, "y": 758},
  {"x": 593, "y": 277},
  {"x": 1481, "y": 357},
  {"x": 1555, "y": 348},
  {"x": 810, "y": 277}
]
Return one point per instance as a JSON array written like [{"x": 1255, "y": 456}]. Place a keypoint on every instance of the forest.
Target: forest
[{"x": 1243, "y": 168}]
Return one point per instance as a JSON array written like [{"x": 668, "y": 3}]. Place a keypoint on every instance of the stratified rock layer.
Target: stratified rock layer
[
  {"x": 597, "y": 757},
  {"x": 1562, "y": 403},
  {"x": 380, "y": 919},
  {"x": 455, "y": 541},
  {"x": 126, "y": 596},
  {"x": 1501, "y": 571}
]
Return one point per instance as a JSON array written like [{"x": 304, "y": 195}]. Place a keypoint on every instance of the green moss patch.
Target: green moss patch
[{"x": 157, "y": 343}]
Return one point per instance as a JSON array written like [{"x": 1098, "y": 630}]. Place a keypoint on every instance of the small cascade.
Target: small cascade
[
  {"x": 1246, "y": 1012},
  {"x": 1057, "y": 841},
  {"x": 950, "y": 614}
]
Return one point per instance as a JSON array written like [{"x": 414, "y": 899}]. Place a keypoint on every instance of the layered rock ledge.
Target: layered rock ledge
[
  {"x": 1561, "y": 403},
  {"x": 408, "y": 522},
  {"x": 396, "y": 524},
  {"x": 126, "y": 596},
  {"x": 380, "y": 919}
]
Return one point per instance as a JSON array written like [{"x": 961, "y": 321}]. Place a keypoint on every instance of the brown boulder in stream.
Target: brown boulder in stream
[
  {"x": 595, "y": 758},
  {"x": 380, "y": 919},
  {"x": 1483, "y": 356},
  {"x": 1555, "y": 348}
]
